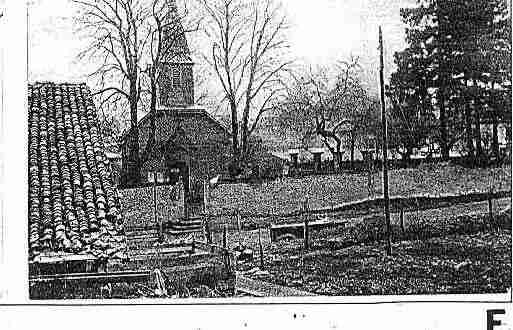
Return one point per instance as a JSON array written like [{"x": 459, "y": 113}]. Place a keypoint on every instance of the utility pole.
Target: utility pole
[{"x": 386, "y": 197}]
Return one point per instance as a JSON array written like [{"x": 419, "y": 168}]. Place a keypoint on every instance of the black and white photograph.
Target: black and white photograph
[{"x": 253, "y": 150}]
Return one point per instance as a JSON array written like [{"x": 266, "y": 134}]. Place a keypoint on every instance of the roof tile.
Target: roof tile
[{"x": 70, "y": 189}]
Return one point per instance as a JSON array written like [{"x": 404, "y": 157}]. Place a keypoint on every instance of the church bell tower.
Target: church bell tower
[{"x": 176, "y": 83}]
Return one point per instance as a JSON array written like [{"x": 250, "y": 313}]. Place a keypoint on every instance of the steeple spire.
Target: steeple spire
[{"x": 176, "y": 83}]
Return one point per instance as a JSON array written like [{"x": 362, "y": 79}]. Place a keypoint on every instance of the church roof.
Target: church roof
[
  {"x": 73, "y": 205},
  {"x": 182, "y": 112}
]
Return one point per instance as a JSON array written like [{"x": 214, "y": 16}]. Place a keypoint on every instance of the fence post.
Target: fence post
[
  {"x": 401, "y": 216},
  {"x": 227, "y": 260},
  {"x": 306, "y": 229},
  {"x": 224, "y": 237},
  {"x": 261, "y": 249},
  {"x": 155, "y": 216},
  {"x": 490, "y": 206},
  {"x": 193, "y": 247},
  {"x": 207, "y": 230},
  {"x": 239, "y": 229}
]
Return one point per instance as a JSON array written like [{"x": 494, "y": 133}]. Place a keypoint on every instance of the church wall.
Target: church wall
[{"x": 209, "y": 144}]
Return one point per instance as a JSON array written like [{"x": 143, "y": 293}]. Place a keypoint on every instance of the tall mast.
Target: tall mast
[{"x": 386, "y": 197}]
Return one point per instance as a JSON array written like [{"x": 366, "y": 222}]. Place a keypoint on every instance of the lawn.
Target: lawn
[{"x": 285, "y": 195}]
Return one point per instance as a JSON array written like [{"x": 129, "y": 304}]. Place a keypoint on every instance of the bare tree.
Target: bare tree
[
  {"x": 113, "y": 30},
  {"x": 130, "y": 39},
  {"x": 248, "y": 55},
  {"x": 333, "y": 107}
]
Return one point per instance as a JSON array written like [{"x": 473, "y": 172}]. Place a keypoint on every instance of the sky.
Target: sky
[{"x": 322, "y": 31}]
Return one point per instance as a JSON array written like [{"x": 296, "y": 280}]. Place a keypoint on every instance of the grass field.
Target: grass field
[{"x": 285, "y": 196}]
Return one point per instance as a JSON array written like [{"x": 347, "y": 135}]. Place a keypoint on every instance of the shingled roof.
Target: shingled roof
[{"x": 73, "y": 205}]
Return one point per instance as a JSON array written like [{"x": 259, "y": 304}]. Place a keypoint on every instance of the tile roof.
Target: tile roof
[{"x": 73, "y": 205}]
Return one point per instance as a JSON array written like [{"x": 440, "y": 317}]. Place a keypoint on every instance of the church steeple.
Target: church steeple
[{"x": 176, "y": 83}]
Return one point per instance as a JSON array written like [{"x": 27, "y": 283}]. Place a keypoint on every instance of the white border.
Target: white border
[{"x": 14, "y": 277}]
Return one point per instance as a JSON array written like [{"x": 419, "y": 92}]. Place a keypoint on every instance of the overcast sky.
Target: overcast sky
[{"x": 322, "y": 32}]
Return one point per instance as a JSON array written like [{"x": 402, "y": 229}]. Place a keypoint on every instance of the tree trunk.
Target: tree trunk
[
  {"x": 479, "y": 147},
  {"x": 495, "y": 127},
  {"x": 133, "y": 157},
  {"x": 468, "y": 126},
  {"x": 469, "y": 134},
  {"x": 444, "y": 145},
  {"x": 235, "y": 134},
  {"x": 443, "y": 126},
  {"x": 150, "y": 142},
  {"x": 495, "y": 135},
  {"x": 477, "y": 128},
  {"x": 339, "y": 154},
  {"x": 353, "y": 142},
  {"x": 244, "y": 147}
]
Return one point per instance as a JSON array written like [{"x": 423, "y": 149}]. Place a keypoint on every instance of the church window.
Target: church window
[{"x": 176, "y": 78}]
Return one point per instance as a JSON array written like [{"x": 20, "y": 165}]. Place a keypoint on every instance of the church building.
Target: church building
[{"x": 190, "y": 143}]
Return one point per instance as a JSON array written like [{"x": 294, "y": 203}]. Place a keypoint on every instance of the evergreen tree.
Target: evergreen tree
[
  {"x": 411, "y": 114},
  {"x": 459, "y": 60}
]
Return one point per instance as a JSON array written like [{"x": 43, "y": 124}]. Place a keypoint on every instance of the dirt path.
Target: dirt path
[{"x": 259, "y": 288}]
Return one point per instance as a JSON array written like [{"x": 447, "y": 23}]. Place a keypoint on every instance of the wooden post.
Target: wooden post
[
  {"x": 193, "y": 247},
  {"x": 239, "y": 229},
  {"x": 206, "y": 217},
  {"x": 490, "y": 205},
  {"x": 155, "y": 217},
  {"x": 208, "y": 232},
  {"x": 301, "y": 262},
  {"x": 261, "y": 249},
  {"x": 402, "y": 219},
  {"x": 224, "y": 237},
  {"x": 205, "y": 196},
  {"x": 227, "y": 261},
  {"x": 385, "y": 144},
  {"x": 187, "y": 194},
  {"x": 306, "y": 229}
]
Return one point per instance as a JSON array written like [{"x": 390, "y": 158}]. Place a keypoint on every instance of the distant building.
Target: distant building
[{"x": 190, "y": 144}]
